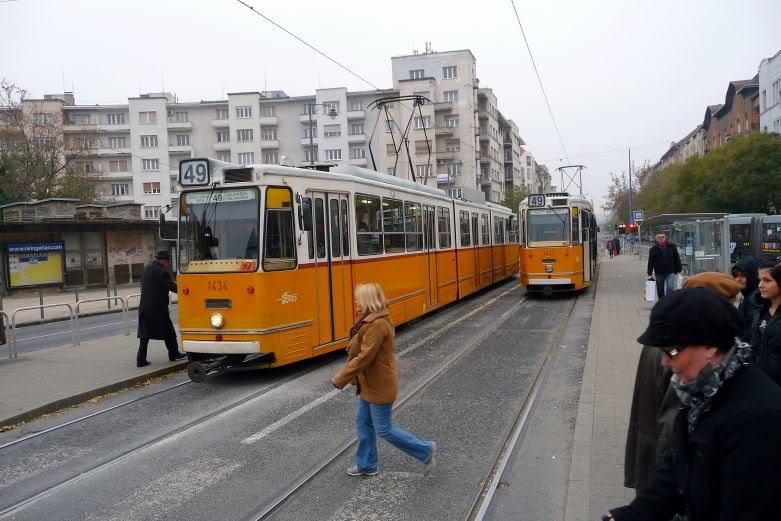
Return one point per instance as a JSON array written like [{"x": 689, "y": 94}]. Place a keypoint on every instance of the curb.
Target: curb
[{"x": 80, "y": 398}]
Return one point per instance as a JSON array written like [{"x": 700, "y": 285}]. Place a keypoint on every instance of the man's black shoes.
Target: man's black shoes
[
  {"x": 143, "y": 364},
  {"x": 177, "y": 356}
]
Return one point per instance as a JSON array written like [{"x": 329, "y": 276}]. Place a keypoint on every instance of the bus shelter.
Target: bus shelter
[{"x": 703, "y": 239}]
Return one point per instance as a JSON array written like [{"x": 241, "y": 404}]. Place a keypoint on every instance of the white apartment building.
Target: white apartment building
[
  {"x": 770, "y": 94},
  {"x": 460, "y": 142}
]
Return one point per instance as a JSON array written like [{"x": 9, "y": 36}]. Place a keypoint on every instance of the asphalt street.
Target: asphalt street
[{"x": 223, "y": 449}]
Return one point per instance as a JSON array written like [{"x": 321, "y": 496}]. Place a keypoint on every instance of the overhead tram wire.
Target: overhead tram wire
[
  {"x": 336, "y": 62},
  {"x": 544, "y": 94},
  {"x": 612, "y": 151}
]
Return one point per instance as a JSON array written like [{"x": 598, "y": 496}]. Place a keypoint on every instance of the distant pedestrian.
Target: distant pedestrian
[
  {"x": 610, "y": 246},
  {"x": 746, "y": 272},
  {"x": 371, "y": 367},
  {"x": 665, "y": 263},
  {"x": 724, "y": 459},
  {"x": 153, "y": 319},
  {"x": 766, "y": 327},
  {"x": 617, "y": 246},
  {"x": 654, "y": 402}
]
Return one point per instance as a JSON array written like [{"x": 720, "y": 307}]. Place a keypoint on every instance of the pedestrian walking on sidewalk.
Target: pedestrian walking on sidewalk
[
  {"x": 154, "y": 321},
  {"x": 610, "y": 247},
  {"x": 725, "y": 457},
  {"x": 766, "y": 326},
  {"x": 746, "y": 272},
  {"x": 617, "y": 246},
  {"x": 654, "y": 402},
  {"x": 665, "y": 263},
  {"x": 371, "y": 367}
]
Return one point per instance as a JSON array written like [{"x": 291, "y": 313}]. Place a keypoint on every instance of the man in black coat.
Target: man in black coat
[
  {"x": 746, "y": 272},
  {"x": 724, "y": 460},
  {"x": 665, "y": 263},
  {"x": 153, "y": 319}
]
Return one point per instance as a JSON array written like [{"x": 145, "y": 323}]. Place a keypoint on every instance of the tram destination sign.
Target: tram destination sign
[
  {"x": 221, "y": 196},
  {"x": 194, "y": 172},
  {"x": 536, "y": 200}
]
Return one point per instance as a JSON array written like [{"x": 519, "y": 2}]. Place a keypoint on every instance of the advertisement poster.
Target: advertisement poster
[{"x": 35, "y": 263}]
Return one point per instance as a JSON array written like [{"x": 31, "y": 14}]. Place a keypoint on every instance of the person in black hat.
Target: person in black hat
[
  {"x": 153, "y": 319},
  {"x": 724, "y": 459}
]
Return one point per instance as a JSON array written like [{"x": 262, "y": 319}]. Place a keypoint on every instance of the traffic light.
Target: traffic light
[
  {"x": 622, "y": 228},
  {"x": 632, "y": 227}
]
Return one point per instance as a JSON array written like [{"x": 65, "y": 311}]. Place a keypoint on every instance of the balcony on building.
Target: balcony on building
[
  {"x": 217, "y": 123},
  {"x": 356, "y": 114},
  {"x": 269, "y": 143},
  {"x": 180, "y": 149},
  {"x": 70, "y": 126},
  {"x": 224, "y": 145},
  {"x": 304, "y": 118},
  {"x": 443, "y": 105},
  {"x": 305, "y": 141},
  {"x": 443, "y": 130},
  {"x": 359, "y": 161},
  {"x": 356, "y": 138},
  {"x": 119, "y": 128},
  {"x": 104, "y": 151},
  {"x": 179, "y": 125},
  {"x": 269, "y": 120}
]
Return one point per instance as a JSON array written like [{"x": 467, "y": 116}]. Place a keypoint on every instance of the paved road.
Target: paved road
[
  {"x": 230, "y": 464},
  {"x": 42, "y": 336}
]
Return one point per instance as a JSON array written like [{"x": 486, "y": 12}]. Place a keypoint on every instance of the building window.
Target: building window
[
  {"x": 147, "y": 118},
  {"x": 148, "y": 141},
  {"x": 451, "y": 96},
  {"x": 392, "y": 170},
  {"x": 85, "y": 167},
  {"x": 453, "y": 145},
  {"x": 243, "y": 112},
  {"x": 390, "y": 149},
  {"x": 452, "y": 122},
  {"x": 223, "y": 136},
  {"x": 81, "y": 119},
  {"x": 268, "y": 134},
  {"x": 115, "y": 119},
  {"x": 333, "y": 154},
  {"x": 310, "y": 132},
  {"x": 454, "y": 169},
  {"x": 416, "y": 74},
  {"x": 271, "y": 158},
  {"x": 118, "y": 165},
  {"x": 152, "y": 188},
  {"x": 42, "y": 118},
  {"x": 117, "y": 142},
  {"x": 332, "y": 130},
  {"x": 422, "y": 122},
  {"x": 268, "y": 111},
  {"x": 310, "y": 155},
  {"x": 356, "y": 105},
  {"x": 358, "y": 153},
  {"x": 224, "y": 155},
  {"x": 356, "y": 129},
  {"x": 150, "y": 165},
  {"x": 246, "y": 158},
  {"x": 309, "y": 108},
  {"x": 151, "y": 212},
  {"x": 120, "y": 189},
  {"x": 179, "y": 117},
  {"x": 528, "y": 161},
  {"x": 222, "y": 114},
  {"x": 182, "y": 140},
  {"x": 422, "y": 147},
  {"x": 423, "y": 171},
  {"x": 244, "y": 135},
  {"x": 450, "y": 72}
]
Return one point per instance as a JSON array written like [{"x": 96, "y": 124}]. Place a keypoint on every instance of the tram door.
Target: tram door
[
  {"x": 430, "y": 252},
  {"x": 585, "y": 226},
  {"x": 476, "y": 247},
  {"x": 333, "y": 273}
]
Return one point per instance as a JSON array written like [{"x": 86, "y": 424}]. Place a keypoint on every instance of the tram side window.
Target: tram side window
[
  {"x": 393, "y": 225},
  {"x": 336, "y": 242},
  {"x": 475, "y": 230},
  {"x": 513, "y": 238},
  {"x": 413, "y": 226},
  {"x": 575, "y": 226},
  {"x": 499, "y": 224},
  {"x": 309, "y": 236},
  {"x": 320, "y": 228},
  {"x": 279, "y": 253},
  {"x": 443, "y": 215},
  {"x": 367, "y": 224},
  {"x": 345, "y": 230},
  {"x": 486, "y": 230},
  {"x": 463, "y": 223}
]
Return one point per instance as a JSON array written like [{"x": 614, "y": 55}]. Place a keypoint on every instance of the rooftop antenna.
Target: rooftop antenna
[{"x": 574, "y": 174}]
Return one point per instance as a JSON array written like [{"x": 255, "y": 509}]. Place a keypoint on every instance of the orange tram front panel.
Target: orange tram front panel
[{"x": 566, "y": 264}]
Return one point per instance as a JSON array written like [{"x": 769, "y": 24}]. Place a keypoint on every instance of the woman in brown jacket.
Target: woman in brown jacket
[{"x": 371, "y": 366}]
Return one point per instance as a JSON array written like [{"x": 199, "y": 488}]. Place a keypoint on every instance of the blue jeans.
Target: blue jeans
[
  {"x": 665, "y": 284},
  {"x": 375, "y": 419}
]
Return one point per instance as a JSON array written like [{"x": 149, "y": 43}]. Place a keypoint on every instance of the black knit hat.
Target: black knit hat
[
  {"x": 693, "y": 316},
  {"x": 163, "y": 255}
]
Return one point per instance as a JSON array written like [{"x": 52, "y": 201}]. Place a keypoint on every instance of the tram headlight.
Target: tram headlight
[
  {"x": 217, "y": 320},
  {"x": 549, "y": 268}
]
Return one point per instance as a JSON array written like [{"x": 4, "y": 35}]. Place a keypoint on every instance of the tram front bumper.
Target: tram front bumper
[{"x": 221, "y": 348}]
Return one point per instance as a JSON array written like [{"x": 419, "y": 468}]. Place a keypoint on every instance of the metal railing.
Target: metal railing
[
  {"x": 10, "y": 335},
  {"x": 100, "y": 299},
  {"x": 133, "y": 295},
  {"x": 27, "y": 308}
]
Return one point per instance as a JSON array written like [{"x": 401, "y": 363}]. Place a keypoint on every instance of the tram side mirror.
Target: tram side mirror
[{"x": 305, "y": 213}]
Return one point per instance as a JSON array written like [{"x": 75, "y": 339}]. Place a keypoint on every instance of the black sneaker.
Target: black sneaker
[
  {"x": 143, "y": 364},
  {"x": 177, "y": 356}
]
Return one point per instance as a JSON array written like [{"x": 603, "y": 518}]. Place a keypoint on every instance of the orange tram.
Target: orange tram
[
  {"x": 558, "y": 249},
  {"x": 268, "y": 256}
]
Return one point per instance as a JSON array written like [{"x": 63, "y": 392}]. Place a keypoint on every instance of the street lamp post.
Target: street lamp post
[{"x": 313, "y": 108}]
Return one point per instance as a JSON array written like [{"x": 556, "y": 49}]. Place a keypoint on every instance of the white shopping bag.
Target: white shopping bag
[
  {"x": 650, "y": 290},
  {"x": 679, "y": 281}
]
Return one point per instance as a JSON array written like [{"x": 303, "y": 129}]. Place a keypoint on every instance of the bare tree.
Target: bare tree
[{"x": 37, "y": 158}]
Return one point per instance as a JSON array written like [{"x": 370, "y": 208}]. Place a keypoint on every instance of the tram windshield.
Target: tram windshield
[
  {"x": 548, "y": 225},
  {"x": 218, "y": 231}
]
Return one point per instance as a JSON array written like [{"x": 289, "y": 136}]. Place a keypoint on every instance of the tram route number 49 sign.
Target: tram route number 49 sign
[
  {"x": 536, "y": 200},
  {"x": 194, "y": 172}
]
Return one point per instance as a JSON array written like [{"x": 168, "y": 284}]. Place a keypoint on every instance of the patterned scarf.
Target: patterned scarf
[
  {"x": 698, "y": 395},
  {"x": 356, "y": 327}
]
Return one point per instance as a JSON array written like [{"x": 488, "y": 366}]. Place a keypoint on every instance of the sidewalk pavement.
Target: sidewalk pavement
[
  {"x": 620, "y": 315},
  {"x": 32, "y": 317},
  {"x": 48, "y": 380}
]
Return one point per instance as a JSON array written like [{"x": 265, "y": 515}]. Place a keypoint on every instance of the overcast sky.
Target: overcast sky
[{"x": 618, "y": 73}]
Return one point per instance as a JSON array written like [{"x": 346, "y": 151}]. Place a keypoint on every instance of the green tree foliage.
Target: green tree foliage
[{"x": 513, "y": 197}]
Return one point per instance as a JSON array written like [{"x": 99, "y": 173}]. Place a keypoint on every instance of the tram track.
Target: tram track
[{"x": 266, "y": 510}]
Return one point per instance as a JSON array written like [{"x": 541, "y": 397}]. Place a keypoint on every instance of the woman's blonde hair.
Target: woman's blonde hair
[{"x": 370, "y": 297}]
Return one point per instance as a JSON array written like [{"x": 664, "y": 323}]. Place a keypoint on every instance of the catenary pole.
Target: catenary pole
[{"x": 631, "y": 217}]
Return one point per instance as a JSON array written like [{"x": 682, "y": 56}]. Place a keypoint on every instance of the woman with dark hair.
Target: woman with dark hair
[
  {"x": 746, "y": 272},
  {"x": 766, "y": 327}
]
